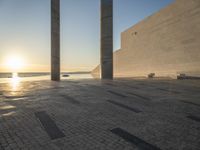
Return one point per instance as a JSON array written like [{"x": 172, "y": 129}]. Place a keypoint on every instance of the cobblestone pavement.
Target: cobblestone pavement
[{"x": 122, "y": 114}]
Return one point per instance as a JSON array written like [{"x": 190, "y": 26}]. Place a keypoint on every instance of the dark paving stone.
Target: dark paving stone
[
  {"x": 127, "y": 85},
  {"x": 117, "y": 94},
  {"x": 195, "y": 118},
  {"x": 143, "y": 84},
  {"x": 193, "y": 90},
  {"x": 124, "y": 106},
  {"x": 71, "y": 99},
  {"x": 110, "y": 84},
  {"x": 140, "y": 96},
  {"x": 141, "y": 144},
  {"x": 14, "y": 97},
  {"x": 187, "y": 102},
  {"x": 167, "y": 90},
  {"x": 56, "y": 88},
  {"x": 133, "y": 87},
  {"x": 49, "y": 125}
]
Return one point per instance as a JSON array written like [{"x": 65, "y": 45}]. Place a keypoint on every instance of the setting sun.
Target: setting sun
[{"x": 14, "y": 63}]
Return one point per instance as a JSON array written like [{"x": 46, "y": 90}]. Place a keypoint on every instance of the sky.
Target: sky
[{"x": 25, "y": 31}]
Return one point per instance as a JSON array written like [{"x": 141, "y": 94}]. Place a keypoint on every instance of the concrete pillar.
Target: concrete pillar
[
  {"x": 107, "y": 39},
  {"x": 55, "y": 40}
]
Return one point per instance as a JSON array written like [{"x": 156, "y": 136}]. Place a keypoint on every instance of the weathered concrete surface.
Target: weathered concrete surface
[
  {"x": 86, "y": 110},
  {"x": 166, "y": 43},
  {"x": 106, "y": 39},
  {"x": 55, "y": 40}
]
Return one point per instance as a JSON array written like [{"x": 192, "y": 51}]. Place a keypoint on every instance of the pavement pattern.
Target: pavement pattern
[{"x": 123, "y": 114}]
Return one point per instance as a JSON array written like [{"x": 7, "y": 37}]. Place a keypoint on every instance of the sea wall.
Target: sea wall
[{"x": 166, "y": 43}]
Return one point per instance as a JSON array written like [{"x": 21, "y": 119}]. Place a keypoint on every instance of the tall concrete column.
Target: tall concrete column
[
  {"x": 55, "y": 40},
  {"x": 107, "y": 39}
]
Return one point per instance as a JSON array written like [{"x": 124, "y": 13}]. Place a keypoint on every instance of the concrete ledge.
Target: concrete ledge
[{"x": 188, "y": 77}]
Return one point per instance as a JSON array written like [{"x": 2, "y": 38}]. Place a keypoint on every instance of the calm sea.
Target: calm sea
[{"x": 31, "y": 76}]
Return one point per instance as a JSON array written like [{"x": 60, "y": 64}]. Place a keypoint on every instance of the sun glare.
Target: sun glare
[{"x": 14, "y": 63}]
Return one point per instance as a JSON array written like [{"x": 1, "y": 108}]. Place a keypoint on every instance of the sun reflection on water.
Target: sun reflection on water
[{"x": 15, "y": 81}]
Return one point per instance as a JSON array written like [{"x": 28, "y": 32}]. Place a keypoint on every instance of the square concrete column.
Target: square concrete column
[
  {"x": 55, "y": 40},
  {"x": 107, "y": 39}
]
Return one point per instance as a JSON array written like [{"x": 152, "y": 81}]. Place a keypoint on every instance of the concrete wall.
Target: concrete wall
[{"x": 166, "y": 43}]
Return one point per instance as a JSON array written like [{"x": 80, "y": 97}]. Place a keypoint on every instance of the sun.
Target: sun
[{"x": 14, "y": 63}]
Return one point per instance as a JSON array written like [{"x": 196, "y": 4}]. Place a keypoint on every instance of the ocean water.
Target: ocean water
[{"x": 36, "y": 76}]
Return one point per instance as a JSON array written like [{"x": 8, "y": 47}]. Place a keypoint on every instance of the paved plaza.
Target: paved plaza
[{"x": 123, "y": 114}]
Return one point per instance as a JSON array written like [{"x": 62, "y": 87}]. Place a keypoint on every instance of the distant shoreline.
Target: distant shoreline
[{"x": 36, "y": 74}]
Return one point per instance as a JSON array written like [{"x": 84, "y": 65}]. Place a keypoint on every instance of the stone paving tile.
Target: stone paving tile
[{"x": 81, "y": 110}]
